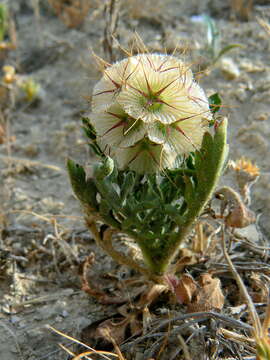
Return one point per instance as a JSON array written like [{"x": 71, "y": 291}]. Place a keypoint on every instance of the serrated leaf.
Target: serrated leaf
[
  {"x": 86, "y": 191},
  {"x": 105, "y": 212},
  {"x": 127, "y": 186}
]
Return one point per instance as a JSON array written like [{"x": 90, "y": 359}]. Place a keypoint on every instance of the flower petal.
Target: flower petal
[
  {"x": 115, "y": 128},
  {"x": 145, "y": 158}
]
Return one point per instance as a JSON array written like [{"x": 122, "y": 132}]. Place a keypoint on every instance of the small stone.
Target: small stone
[
  {"x": 240, "y": 94},
  {"x": 64, "y": 313},
  {"x": 248, "y": 66},
  {"x": 229, "y": 69},
  {"x": 15, "y": 319},
  {"x": 250, "y": 232},
  {"x": 261, "y": 116}
]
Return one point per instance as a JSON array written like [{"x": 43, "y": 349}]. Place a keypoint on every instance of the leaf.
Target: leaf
[
  {"x": 90, "y": 133},
  {"x": 209, "y": 295},
  {"x": 184, "y": 289},
  {"x": 214, "y": 103},
  {"x": 127, "y": 186},
  {"x": 227, "y": 49},
  {"x": 86, "y": 191},
  {"x": 106, "y": 214}
]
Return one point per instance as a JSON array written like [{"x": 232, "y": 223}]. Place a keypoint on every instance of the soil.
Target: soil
[{"x": 43, "y": 236}]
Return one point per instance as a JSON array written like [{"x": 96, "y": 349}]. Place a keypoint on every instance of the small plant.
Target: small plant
[
  {"x": 30, "y": 88},
  {"x": 213, "y": 50},
  {"x": 159, "y": 163}
]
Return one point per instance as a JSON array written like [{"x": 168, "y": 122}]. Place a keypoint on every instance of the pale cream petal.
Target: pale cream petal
[
  {"x": 186, "y": 136},
  {"x": 103, "y": 96},
  {"x": 142, "y": 159},
  {"x": 115, "y": 128},
  {"x": 107, "y": 89}
]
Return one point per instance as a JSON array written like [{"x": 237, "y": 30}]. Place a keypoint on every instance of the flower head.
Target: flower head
[{"x": 147, "y": 109}]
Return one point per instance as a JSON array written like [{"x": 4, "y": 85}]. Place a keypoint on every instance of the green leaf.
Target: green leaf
[
  {"x": 214, "y": 103},
  {"x": 107, "y": 215},
  {"x": 90, "y": 133},
  {"x": 85, "y": 190},
  {"x": 127, "y": 186},
  {"x": 227, "y": 49}
]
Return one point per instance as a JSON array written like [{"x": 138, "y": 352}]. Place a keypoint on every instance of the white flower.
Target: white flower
[{"x": 147, "y": 109}]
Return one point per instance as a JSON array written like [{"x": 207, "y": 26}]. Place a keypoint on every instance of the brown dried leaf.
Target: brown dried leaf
[
  {"x": 260, "y": 287},
  {"x": 238, "y": 215},
  {"x": 100, "y": 332},
  {"x": 209, "y": 296},
  {"x": 150, "y": 295},
  {"x": 187, "y": 257},
  {"x": 110, "y": 329},
  {"x": 72, "y": 13},
  {"x": 183, "y": 288}
]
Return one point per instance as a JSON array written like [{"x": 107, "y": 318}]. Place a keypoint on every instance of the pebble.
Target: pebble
[
  {"x": 248, "y": 66},
  {"x": 250, "y": 232},
  {"x": 229, "y": 69},
  {"x": 240, "y": 94},
  {"x": 261, "y": 116}
]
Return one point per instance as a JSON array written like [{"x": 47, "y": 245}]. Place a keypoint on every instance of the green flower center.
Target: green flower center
[
  {"x": 131, "y": 124},
  {"x": 151, "y": 102}
]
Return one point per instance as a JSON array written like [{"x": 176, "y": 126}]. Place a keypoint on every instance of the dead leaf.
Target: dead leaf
[
  {"x": 260, "y": 287},
  {"x": 94, "y": 289},
  {"x": 187, "y": 257},
  {"x": 111, "y": 329},
  {"x": 150, "y": 295},
  {"x": 209, "y": 295},
  {"x": 98, "y": 333},
  {"x": 183, "y": 288},
  {"x": 108, "y": 332}
]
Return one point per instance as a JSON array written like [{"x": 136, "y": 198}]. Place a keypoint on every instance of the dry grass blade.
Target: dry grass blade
[
  {"x": 253, "y": 313},
  {"x": 29, "y": 163},
  {"x": 92, "y": 351},
  {"x": 184, "y": 347},
  {"x": 264, "y": 25}
]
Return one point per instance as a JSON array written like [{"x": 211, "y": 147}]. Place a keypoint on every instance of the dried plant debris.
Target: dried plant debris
[{"x": 73, "y": 12}]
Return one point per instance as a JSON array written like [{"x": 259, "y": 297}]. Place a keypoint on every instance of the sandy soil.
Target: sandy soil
[{"x": 43, "y": 237}]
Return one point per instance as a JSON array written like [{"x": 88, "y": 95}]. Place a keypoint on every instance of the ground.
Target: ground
[{"x": 43, "y": 237}]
